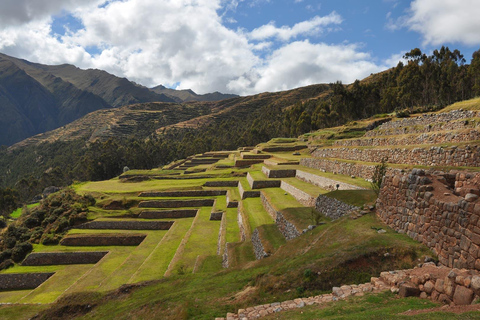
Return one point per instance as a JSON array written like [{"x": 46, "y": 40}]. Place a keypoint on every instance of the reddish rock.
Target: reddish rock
[
  {"x": 408, "y": 290},
  {"x": 429, "y": 286},
  {"x": 463, "y": 296}
]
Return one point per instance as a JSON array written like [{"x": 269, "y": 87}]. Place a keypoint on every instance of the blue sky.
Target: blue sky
[{"x": 236, "y": 46}]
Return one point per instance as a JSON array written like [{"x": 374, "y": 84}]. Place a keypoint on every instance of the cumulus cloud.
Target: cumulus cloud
[
  {"x": 445, "y": 21},
  {"x": 183, "y": 42},
  {"x": 301, "y": 63},
  {"x": 18, "y": 12},
  {"x": 285, "y": 33}
]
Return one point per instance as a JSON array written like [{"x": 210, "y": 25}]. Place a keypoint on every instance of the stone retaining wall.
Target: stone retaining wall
[
  {"x": 425, "y": 120},
  {"x": 168, "y": 214},
  {"x": 63, "y": 258},
  {"x": 440, "y": 210},
  {"x": 247, "y": 162},
  {"x": 232, "y": 183},
  {"x": 23, "y": 281},
  {"x": 345, "y": 168},
  {"x": 260, "y": 184},
  {"x": 283, "y": 148},
  {"x": 103, "y": 240},
  {"x": 419, "y": 139},
  {"x": 255, "y": 156},
  {"x": 244, "y": 194},
  {"x": 186, "y": 193},
  {"x": 288, "y": 230},
  {"x": 466, "y": 156},
  {"x": 325, "y": 183},
  {"x": 231, "y": 203},
  {"x": 442, "y": 284},
  {"x": 333, "y": 208},
  {"x": 301, "y": 196},
  {"x": 176, "y": 203},
  {"x": 258, "y": 248},
  {"x": 127, "y": 225},
  {"x": 279, "y": 173},
  {"x": 241, "y": 222}
]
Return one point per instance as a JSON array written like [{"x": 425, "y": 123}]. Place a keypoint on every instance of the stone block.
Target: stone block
[
  {"x": 463, "y": 296},
  {"x": 408, "y": 290}
]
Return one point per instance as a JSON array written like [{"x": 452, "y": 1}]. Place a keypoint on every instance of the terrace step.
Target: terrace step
[
  {"x": 126, "y": 225},
  {"x": 186, "y": 193},
  {"x": 63, "y": 258},
  {"x": 92, "y": 240},
  {"x": 168, "y": 214},
  {"x": 176, "y": 203},
  {"x": 261, "y": 184},
  {"x": 23, "y": 281}
]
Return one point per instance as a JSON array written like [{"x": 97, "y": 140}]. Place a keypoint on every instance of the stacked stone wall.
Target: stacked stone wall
[
  {"x": 288, "y": 229},
  {"x": 63, "y": 258},
  {"x": 345, "y": 168},
  {"x": 244, "y": 194},
  {"x": 301, "y": 196},
  {"x": 279, "y": 173},
  {"x": 232, "y": 183},
  {"x": 23, "y": 281},
  {"x": 168, "y": 214},
  {"x": 255, "y": 156},
  {"x": 438, "y": 209},
  {"x": 241, "y": 222},
  {"x": 258, "y": 248},
  {"x": 418, "y": 139},
  {"x": 260, "y": 184},
  {"x": 103, "y": 240},
  {"x": 247, "y": 162},
  {"x": 127, "y": 225},
  {"x": 326, "y": 183},
  {"x": 467, "y": 156},
  {"x": 186, "y": 193},
  {"x": 333, "y": 208},
  {"x": 176, "y": 203},
  {"x": 428, "y": 122}
]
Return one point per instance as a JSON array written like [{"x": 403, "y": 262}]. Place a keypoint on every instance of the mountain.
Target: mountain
[
  {"x": 36, "y": 98},
  {"x": 146, "y": 119},
  {"x": 189, "y": 95}
]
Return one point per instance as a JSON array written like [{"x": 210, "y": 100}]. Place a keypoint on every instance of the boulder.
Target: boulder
[
  {"x": 463, "y": 296},
  {"x": 408, "y": 290}
]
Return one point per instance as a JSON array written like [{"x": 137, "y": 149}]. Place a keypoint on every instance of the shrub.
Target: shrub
[
  {"x": 378, "y": 174},
  {"x": 49, "y": 239},
  {"x": 20, "y": 251},
  {"x": 10, "y": 242},
  {"x": 31, "y": 222},
  {"x": 6, "y": 264},
  {"x": 4, "y": 255}
]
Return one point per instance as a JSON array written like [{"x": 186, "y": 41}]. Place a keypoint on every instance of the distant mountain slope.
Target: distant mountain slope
[
  {"x": 145, "y": 119},
  {"x": 36, "y": 98},
  {"x": 34, "y": 104},
  {"x": 189, "y": 95}
]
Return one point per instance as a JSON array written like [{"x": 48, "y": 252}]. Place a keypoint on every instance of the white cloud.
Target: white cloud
[
  {"x": 185, "y": 41},
  {"x": 445, "y": 21},
  {"x": 285, "y": 33},
  {"x": 302, "y": 63},
  {"x": 18, "y": 12},
  {"x": 395, "y": 59}
]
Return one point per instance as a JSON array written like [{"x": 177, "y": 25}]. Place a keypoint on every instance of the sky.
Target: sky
[{"x": 235, "y": 46}]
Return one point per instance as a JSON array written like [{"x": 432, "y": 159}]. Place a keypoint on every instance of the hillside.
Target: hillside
[
  {"x": 286, "y": 227},
  {"x": 36, "y": 98},
  {"x": 189, "y": 95}
]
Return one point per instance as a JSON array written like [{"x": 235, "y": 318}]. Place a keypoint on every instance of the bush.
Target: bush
[
  {"x": 10, "y": 242},
  {"x": 20, "y": 251},
  {"x": 4, "y": 255},
  {"x": 49, "y": 239},
  {"x": 31, "y": 222},
  {"x": 6, "y": 264}
]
